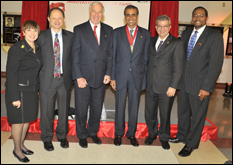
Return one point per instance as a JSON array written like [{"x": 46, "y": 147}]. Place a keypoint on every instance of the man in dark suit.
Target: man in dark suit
[
  {"x": 130, "y": 57},
  {"x": 91, "y": 69},
  {"x": 163, "y": 79},
  {"x": 55, "y": 79},
  {"x": 204, "y": 58}
]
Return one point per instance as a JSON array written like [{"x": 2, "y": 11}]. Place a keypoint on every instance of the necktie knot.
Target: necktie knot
[
  {"x": 56, "y": 35},
  {"x": 95, "y": 27}
]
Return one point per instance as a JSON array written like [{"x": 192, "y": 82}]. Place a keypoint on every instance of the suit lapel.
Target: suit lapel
[
  {"x": 125, "y": 39},
  {"x": 199, "y": 43},
  {"x": 49, "y": 43},
  {"x": 152, "y": 47},
  {"x": 90, "y": 35},
  {"x": 103, "y": 37},
  {"x": 139, "y": 39},
  {"x": 165, "y": 43},
  {"x": 65, "y": 42}
]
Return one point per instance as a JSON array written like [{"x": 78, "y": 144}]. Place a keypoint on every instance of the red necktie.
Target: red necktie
[{"x": 95, "y": 33}]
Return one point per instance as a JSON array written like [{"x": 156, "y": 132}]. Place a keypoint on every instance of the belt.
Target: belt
[{"x": 58, "y": 76}]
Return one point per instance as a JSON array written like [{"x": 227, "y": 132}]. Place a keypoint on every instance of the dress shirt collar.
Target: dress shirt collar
[
  {"x": 59, "y": 33},
  {"x": 200, "y": 31},
  {"x": 159, "y": 39},
  {"x": 92, "y": 25}
]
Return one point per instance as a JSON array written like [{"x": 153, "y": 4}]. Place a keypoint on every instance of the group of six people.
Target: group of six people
[{"x": 127, "y": 58}]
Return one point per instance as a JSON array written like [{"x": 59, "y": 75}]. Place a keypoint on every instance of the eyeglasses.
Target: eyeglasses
[{"x": 160, "y": 27}]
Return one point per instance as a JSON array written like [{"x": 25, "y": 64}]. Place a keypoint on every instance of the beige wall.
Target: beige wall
[{"x": 217, "y": 14}]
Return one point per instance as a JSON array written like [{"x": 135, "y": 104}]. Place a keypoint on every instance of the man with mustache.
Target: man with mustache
[{"x": 204, "y": 58}]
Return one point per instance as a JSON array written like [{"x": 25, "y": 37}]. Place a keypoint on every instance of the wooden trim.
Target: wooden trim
[
  {"x": 3, "y": 74},
  {"x": 220, "y": 86}
]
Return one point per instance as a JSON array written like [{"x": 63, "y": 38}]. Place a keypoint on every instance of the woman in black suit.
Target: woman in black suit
[{"x": 23, "y": 65}]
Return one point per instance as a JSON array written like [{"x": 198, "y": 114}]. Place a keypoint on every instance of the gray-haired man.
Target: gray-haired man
[{"x": 163, "y": 78}]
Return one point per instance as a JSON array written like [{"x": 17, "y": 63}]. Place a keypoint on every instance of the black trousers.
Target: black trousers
[
  {"x": 191, "y": 118},
  {"x": 153, "y": 100},
  {"x": 47, "y": 108},
  {"x": 83, "y": 97}
]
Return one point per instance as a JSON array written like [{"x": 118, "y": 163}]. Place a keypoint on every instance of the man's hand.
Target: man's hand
[
  {"x": 82, "y": 83},
  {"x": 171, "y": 92},
  {"x": 106, "y": 79},
  {"x": 113, "y": 84},
  {"x": 203, "y": 94},
  {"x": 16, "y": 103}
]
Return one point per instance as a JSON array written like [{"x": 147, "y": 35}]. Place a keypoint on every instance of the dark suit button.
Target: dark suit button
[
  {"x": 91, "y": 51},
  {"x": 103, "y": 60},
  {"x": 95, "y": 61},
  {"x": 129, "y": 70}
]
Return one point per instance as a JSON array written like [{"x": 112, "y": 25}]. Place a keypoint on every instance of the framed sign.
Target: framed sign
[{"x": 11, "y": 28}]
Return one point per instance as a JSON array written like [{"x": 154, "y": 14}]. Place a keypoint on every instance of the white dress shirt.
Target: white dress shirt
[
  {"x": 200, "y": 31},
  {"x": 97, "y": 30},
  {"x": 158, "y": 41}
]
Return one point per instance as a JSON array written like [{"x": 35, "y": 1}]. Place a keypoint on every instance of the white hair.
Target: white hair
[{"x": 95, "y": 3}]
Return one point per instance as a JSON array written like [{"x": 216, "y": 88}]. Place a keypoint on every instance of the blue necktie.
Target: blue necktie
[{"x": 191, "y": 43}]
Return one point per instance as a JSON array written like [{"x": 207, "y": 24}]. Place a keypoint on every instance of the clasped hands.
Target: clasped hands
[{"x": 82, "y": 82}]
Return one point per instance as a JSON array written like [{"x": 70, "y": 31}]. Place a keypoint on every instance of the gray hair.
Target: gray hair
[
  {"x": 95, "y": 3},
  {"x": 163, "y": 18}
]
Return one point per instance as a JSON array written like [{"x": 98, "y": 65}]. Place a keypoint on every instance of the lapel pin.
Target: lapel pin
[
  {"x": 200, "y": 44},
  {"x": 141, "y": 36},
  {"x": 167, "y": 42},
  {"x": 105, "y": 36}
]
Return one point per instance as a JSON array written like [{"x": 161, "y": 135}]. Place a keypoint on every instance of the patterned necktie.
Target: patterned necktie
[
  {"x": 57, "y": 66},
  {"x": 160, "y": 44},
  {"x": 131, "y": 34},
  {"x": 95, "y": 33},
  {"x": 191, "y": 44}
]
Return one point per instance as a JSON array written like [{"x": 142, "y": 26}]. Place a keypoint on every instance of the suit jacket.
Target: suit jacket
[
  {"x": 124, "y": 62},
  {"x": 165, "y": 66},
  {"x": 205, "y": 63},
  {"x": 22, "y": 69},
  {"x": 90, "y": 60},
  {"x": 45, "y": 41}
]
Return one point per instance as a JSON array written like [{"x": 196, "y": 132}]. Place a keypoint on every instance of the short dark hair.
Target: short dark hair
[
  {"x": 30, "y": 24},
  {"x": 56, "y": 8},
  {"x": 131, "y": 7},
  {"x": 200, "y": 7}
]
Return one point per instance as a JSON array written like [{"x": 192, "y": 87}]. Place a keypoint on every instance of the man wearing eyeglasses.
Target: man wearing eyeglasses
[
  {"x": 163, "y": 79},
  {"x": 204, "y": 52}
]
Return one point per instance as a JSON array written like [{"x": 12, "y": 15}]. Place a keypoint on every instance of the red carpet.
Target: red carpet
[{"x": 107, "y": 129}]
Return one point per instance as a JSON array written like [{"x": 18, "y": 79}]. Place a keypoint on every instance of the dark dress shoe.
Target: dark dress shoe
[
  {"x": 149, "y": 140},
  {"x": 25, "y": 159},
  {"x": 96, "y": 139},
  {"x": 64, "y": 143},
  {"x": 28, "y": 152},
  {"x": 165, "y": 145},
  {"x": 133, "y": 141},
  {"x": 48, "y": 146},
  {"x": 83, "y": 143},
  {"x": 117, "y": 140},
  {"x": 175, "y": 140},
  {"x": 186, "y": 151}
]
